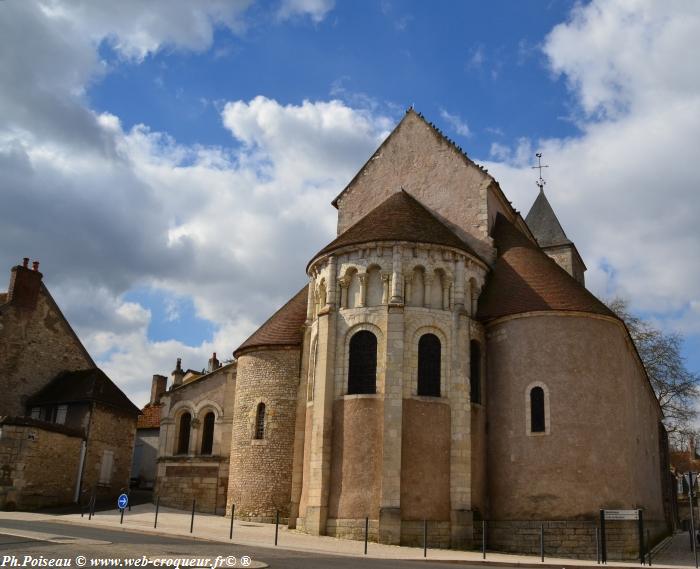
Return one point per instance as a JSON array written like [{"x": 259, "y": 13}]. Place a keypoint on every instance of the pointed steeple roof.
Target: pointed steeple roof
[
  {"x": 400, "y": 217},
  {"x": 544, "y": 224},
  {"x": 525, "y": 279},
  {"x": 283, "y": 328}
]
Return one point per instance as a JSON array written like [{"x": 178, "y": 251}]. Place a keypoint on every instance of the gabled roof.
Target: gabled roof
[
  {"x": 525, "y": 279},
  {"x": 437, "y": 132},
  {"x": 283, "y": 328},
  {"x": 544, "y": 224},
  {"x": 400, "y": 217},
  {"x": 83, "y": 386}
]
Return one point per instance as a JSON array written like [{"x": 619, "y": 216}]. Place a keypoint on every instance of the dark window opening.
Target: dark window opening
[
  {"x": 260, "y": 422},
  {"x": 429, "y": 365},
  {"x": 362, "y": 372},
  {"x": 475, "y": 371},
  {"x": 537, "y": 419},
  {"x": 208, "y": 433},
  {"x": 183, "y": 440}
]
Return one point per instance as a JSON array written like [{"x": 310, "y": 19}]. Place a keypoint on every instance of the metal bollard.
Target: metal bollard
[
  {"x": 277, "y": 524},
  {"x": 233, "y": 511},
  {"x": 192, "y": 520},
  {"x": 597, "y": 546},
  {"x": 648, "y": 548},
  {"x": 366, "y": 533},
  {"x": 121, "y": 517},
  {"x": 542, "y": 543},
  {"x": 155, "y": 523},
  {"x": 483, "y": 539},
  {"x": 425, "y": 538}
]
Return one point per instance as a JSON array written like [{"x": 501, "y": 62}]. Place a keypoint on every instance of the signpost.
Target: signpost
[
  {"x": 691, "y": 478},
  {"x": 620, "y": 515},
  {"x": 122, "y": 501}
]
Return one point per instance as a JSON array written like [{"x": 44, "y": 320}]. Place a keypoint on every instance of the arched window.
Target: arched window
[
  {"x": 475, "y": 371},
  {"x": 208, "y": 433},
  {"x": 362, "y": 372},
  {"x": 260, "y": 422},
  {"x": 537, "y": 415},
  {"x": 183, "y": 436},
  {"x": 429, "y": 365}
]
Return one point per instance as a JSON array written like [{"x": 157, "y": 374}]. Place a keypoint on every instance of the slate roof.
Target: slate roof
[
  {"x": 400, "y": 217},
  {"x": 525, "y": 279},
  {"x": 80, "y": 386},
  {"x": 149, "y": 417},
  {"x": 544, "y": 224},
  {"x": 283, "y": 328}
]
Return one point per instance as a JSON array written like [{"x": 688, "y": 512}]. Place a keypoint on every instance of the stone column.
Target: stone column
[
  {"x": 461, "y": 515},
  {"x": 446, "y": 283},
  {"x": 396, "y": 282},
  {"x": 344, "y": 283},
  {"x": 364, "y": 277},
  {"x": 409, "y": 283},
  {"x": 386, "y": 279},
  {"x": 320, "y": 445},
  {"x": 427, "y": 290},
  {"x": 459, "y": 284},
  {"x": 310, "y": 301},
  {"x": 390, "y": 497},
  {"x": 300, "y": 430}
]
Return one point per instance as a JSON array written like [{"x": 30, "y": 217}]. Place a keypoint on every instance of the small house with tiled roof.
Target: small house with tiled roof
[
  {"x": 66, "y": 429},
  {"x": 444, "y": 362}
]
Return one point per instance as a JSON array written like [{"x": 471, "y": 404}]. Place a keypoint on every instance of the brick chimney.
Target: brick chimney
[
  {"x": 25, "y": 284},
  {"x": 214, "y": 364},
  {"x": 158, "y": 386},
  {"x": 177, "y": 373}
]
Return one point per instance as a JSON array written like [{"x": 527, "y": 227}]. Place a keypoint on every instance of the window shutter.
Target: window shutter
[
  {"x": 61, "y": 413},
  {"x": 106, "y": 467}
]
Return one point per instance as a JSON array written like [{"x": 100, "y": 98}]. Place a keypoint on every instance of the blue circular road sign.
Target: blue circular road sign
[{"x": 122, "y": 501}]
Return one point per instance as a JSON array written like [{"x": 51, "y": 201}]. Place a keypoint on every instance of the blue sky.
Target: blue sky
[{"x": 172, "y": 166}]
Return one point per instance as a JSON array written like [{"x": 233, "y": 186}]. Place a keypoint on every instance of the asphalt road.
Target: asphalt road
[{"x": 123, "y": 544}]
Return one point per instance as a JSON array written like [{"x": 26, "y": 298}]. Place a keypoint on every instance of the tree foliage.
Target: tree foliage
[{"x": 676, "y": 387}]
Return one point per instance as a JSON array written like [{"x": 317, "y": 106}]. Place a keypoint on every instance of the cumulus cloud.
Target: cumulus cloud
[
  {"x": 109, "y": 210},
  {"x": 626, "y": 188},
  {"x": 456, "y": 123},
  {"x": 314, "y": 9}
]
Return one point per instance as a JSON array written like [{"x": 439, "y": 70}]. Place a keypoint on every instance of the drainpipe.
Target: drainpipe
[
  {"x": 87, "y": 440},
  {"x": 83, "y": 448}
]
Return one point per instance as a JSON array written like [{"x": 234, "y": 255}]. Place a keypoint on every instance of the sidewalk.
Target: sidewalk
[
  {"x": 216, "y": 528},
  {"x": 677, "y": 552}
]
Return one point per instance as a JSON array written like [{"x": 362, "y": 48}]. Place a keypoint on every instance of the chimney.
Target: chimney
[
  {"x": 25, "y": 284},
  {"x": 178, "y": 374},
  {"x": 214, "y": 364},
  {"x": 158, "y": 386}
]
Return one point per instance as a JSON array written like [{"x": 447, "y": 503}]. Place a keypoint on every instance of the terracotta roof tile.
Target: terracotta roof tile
[
  {"x": 525, "y": 279},
  {"x": 400, "y": 217},
  {"x": 150, "y": 417},
  {"x": 283, "y": 328}
]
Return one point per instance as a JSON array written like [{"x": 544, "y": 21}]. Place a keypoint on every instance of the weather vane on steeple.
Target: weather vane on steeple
[{"x": 540, "y": 183}]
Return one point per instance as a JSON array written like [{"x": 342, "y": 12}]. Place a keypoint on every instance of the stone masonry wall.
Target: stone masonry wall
[
  {"x": 38, "y": 467},
  {"x": 202, "y": 479},
  {"x": 35, "y": 345},
  {"x": 109, "y": 430},
  {"x": 261, "y": 470}
]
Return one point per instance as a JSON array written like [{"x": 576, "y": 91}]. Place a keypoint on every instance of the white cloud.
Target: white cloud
[
  {"x": 626, "y": 188},
  {"x": 315, "y": 9},
  {"x": 456, "y": 123}
]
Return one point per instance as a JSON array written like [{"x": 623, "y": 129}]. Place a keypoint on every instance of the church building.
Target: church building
[{"x": 444, "y": 362}]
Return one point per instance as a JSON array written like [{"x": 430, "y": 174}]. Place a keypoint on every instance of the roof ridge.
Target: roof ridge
[{"x": 458, "y": 149}]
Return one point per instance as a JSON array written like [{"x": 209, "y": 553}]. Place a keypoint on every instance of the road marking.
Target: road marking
[{"x": 52, "y": 537}]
